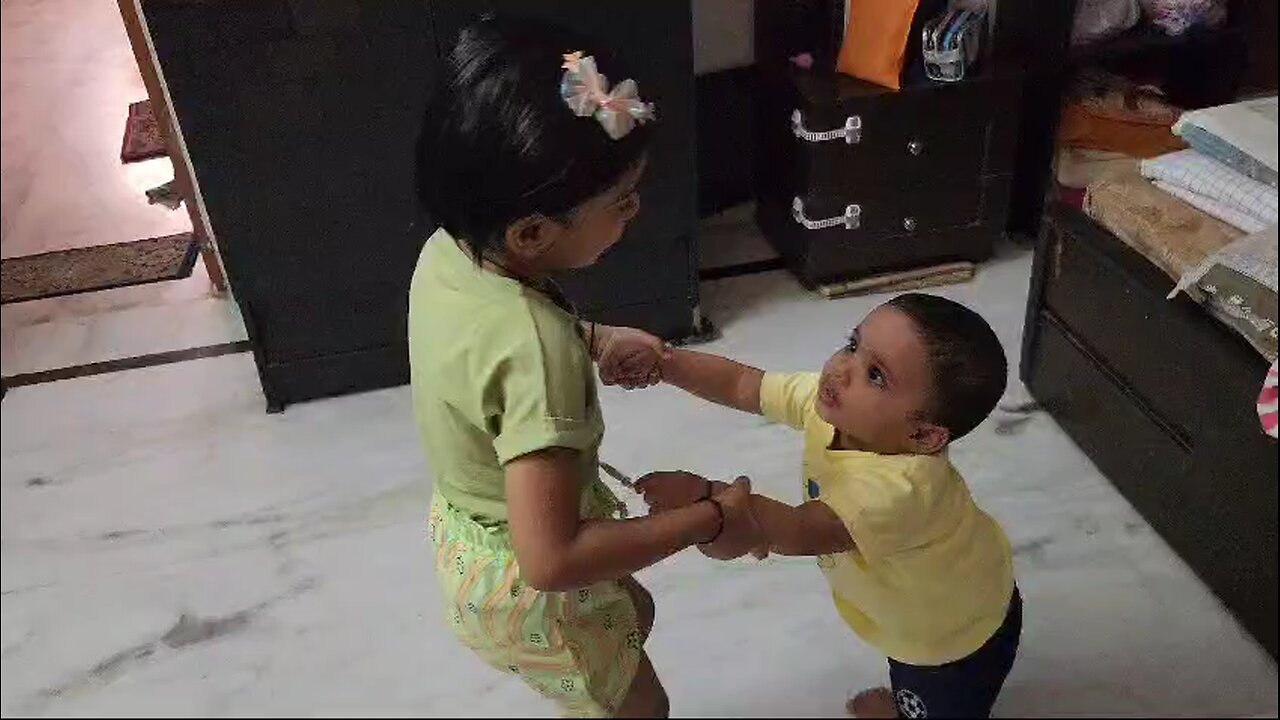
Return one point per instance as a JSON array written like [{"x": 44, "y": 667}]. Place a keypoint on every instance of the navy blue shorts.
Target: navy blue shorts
[{"x": 966, "y": 688}]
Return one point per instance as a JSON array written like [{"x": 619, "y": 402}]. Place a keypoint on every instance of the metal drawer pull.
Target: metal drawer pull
[
  {"x": 909, "y": 224},
  {"x": 851, "y": 132},
  {"x": 851, "y": 218},
  {"x": 915, "y": 147}
]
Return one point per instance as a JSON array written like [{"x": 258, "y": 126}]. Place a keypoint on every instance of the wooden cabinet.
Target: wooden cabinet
[
  {"x": 859, "y": 179},
  {"x": 301, "y": 117}
]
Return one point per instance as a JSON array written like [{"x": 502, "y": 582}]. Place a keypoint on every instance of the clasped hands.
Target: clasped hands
[{"x": 740, "y": 533}]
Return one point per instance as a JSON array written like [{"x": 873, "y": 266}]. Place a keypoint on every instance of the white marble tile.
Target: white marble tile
[
  {"x": 67, "y": 76},
  {"x": 56, "y": 336},
  {"x": 293, "y": 545}
]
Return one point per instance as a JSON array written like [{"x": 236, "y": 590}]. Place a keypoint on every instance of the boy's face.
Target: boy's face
[{"x": 875, "y": 390}]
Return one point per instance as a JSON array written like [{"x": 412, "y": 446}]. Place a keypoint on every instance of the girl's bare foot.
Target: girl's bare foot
[{"x": 873, "y": 703}]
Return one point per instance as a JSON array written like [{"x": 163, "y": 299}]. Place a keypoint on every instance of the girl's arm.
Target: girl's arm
[
  {"x": 809, "y": 529},
  {"x": 558, "y": 550},
  {"x": 714, "y": 378}
]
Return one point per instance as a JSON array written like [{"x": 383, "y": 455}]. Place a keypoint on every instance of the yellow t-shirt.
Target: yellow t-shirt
[
  {"x": 497, "y": 371},
  {"x": 931, "y": 576}
]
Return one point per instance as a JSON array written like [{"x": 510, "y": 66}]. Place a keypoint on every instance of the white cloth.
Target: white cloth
[
  {"x": 1224, "y": 212},
  {"x": 1204, "y": 176}
]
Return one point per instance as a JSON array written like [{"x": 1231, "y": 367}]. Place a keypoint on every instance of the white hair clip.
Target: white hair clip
[{"x": 587, "y": 93}]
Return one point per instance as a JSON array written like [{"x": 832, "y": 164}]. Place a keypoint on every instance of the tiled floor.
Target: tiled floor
[
  {"x": 67, "y": 76},
  {"x": 168, "y": 548}
]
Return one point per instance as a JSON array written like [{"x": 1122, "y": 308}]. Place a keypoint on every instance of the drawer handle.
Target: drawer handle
[
  {"x": 851, "y": 133},
  {"x": 915, "y": 147},
  {"x": 851, "y": 218},
  {"x": 909, "y": 224}
]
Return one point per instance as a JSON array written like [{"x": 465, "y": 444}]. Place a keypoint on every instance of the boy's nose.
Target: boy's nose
[{"x": 843, "y": 371}]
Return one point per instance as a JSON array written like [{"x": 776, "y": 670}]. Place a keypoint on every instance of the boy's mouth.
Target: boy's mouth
[{"x": 828, "y": 396}]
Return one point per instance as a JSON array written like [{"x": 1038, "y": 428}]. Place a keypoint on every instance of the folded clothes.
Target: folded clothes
[
  {"x": 1208, "y": 178},
  {"x": 1214, "y": 207},
  {"x": 1172, "y": 234},
  {"x": 1241, "y": 135}
]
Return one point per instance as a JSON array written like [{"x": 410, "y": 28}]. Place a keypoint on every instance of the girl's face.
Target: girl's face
[
  {"x": 597, "y": 224},
  {"x": 546, "y": 245}
]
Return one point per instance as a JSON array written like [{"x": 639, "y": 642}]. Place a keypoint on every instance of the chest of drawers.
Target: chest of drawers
[{"x": 855, "y": 179}]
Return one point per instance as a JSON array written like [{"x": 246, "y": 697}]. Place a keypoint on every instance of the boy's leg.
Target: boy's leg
[
  {"x": 965, "y": 688},
  {"x": 873, "y": 703}
]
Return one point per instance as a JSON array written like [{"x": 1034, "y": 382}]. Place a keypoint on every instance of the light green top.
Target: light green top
[{"x": 498, "y": 371}]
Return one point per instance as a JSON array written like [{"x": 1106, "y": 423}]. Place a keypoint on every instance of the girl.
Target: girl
[{"x": 529, "y": 164}]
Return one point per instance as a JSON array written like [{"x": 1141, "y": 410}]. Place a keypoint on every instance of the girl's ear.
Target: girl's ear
[{"x": 530, "y": 237}]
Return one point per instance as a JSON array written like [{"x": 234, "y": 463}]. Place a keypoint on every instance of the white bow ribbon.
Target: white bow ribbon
[{"x": 587, "y": 93}]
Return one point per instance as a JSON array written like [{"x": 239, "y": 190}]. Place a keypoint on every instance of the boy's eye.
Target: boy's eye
[
  {"x": 875, "y": 376},
  {"x": 852, "y": 345}
]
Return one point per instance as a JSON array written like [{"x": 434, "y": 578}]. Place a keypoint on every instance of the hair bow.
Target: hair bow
[{"x": 587, "y": 93}]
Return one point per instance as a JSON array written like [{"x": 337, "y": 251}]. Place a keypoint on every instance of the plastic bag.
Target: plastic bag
[
  {"x": 1175, "y": 17},
  {"x": 1102, "y": 19}
]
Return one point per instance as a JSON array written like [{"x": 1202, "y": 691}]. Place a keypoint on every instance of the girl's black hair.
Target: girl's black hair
[{"x": 499, "y": 143}]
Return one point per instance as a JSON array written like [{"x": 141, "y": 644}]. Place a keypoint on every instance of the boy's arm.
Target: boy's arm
[
  {"x": 812, "y": 528},
  {"x": 714, "y": 378}
]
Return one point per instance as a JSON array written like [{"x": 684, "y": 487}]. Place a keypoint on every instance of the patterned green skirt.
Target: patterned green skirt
[{"x": 579, "y": 648}]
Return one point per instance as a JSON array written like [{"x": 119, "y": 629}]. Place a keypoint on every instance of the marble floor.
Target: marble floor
[
  {"x": 67, "y": 76},
  {"x": 168, "y": 548}
]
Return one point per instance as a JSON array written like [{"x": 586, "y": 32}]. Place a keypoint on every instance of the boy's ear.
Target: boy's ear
[
  {"x": 929, "y": 439},
  {"x": 529, "y": 237}
]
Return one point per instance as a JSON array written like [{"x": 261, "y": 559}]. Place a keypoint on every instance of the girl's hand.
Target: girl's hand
[
  {"x": 741, "y": 533},
  {"x": 628, "y": 357},
  {"x": 669, "y": 490}
]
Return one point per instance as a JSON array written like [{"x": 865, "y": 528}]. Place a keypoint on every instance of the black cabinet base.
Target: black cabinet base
[
  {"x": 672, "y": 320},
  {"x": 1175, "y": 431},
  {"x": 285, "y": 383}
]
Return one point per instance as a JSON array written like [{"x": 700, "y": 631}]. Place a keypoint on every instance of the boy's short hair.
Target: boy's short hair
[{"x": 966, "y": 361}]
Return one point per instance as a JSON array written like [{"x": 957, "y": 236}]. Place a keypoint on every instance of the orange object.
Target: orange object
[
  {"x": 1107, "y": 112},
  {"x": 875, "y": 40},
  {"x": 1084, "y": 127}
]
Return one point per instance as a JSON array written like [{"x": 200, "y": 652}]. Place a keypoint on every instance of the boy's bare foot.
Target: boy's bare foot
[{"x": 873, "y": 703}]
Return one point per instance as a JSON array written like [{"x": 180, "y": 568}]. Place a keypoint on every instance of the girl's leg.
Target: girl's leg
[
  {"x": 643, "y": 601},
  {"x": 647, "y": 697}
]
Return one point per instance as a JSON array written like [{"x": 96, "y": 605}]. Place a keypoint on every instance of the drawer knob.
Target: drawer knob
[
  {"x": 851, "y": 133},
  {"x": 915, "y": 147},
  {"x": 909, "y": 224},
  {"x": 851, "y": 218}
]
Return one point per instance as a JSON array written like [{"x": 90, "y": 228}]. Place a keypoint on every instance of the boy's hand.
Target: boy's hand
[
  {"x": 741, "y": 533},
  {"x": 628, "y": 357},
  {"x": 668, "y": 490}
]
